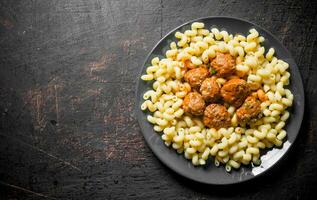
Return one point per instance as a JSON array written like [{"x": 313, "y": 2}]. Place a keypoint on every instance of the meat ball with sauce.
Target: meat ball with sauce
[
  {"x": 196, "y": 76},
  {"x": 224, "y": 64},
  {"x": 235, "y": 91},
  {"x": 210, "y": 90},
  {"x": 216, "y": 116},
  {"x": 250, "y": 109},
  {"x": 194, "y": 104}
]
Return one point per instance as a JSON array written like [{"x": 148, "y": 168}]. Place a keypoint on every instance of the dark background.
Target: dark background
[{"x": 68, "y": 70}]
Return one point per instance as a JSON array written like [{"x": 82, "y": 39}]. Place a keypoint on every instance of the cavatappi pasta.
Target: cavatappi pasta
[{"x": 238, "y": 144}]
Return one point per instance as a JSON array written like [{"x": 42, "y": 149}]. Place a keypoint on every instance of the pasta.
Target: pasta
[{"x": 239, "y": 143}]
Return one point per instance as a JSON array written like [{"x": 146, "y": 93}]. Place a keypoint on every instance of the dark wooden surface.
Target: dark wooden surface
[{"x": 67, "y": 81}]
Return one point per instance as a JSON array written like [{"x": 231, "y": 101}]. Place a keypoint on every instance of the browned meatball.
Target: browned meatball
[
  {"x": 210, "y": 90},
  {"x": 194, "y": 104},
  {"x": 216, "y": 116},
  {"x": 251, "y": 108},
  {"x": 196, "y": 76},
  {"x": 235, "y": 91},
  {"x": 224, "y": 64}
]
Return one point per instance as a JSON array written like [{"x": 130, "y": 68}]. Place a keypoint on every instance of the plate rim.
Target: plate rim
[{"x": 137, "y": 109}]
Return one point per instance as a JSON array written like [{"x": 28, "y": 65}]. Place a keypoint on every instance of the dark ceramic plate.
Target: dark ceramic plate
[{"x": 211, "y": 174}]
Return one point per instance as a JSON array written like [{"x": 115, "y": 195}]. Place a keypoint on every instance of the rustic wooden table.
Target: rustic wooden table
[{"x": 67, "y": 80}]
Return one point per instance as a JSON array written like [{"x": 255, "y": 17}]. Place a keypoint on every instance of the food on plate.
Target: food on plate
[
  {"x": 216, "y": 116},
  {"x": 196, "y": 76},
  {"x": 194, "y": 104},
  {"x": 235, "y": 91},
  {"x": 224, "y": 64},
  {"x": 210, "y": 90},
  {"x": 250, "y": 109},
  {"x": 218, "y": 94}
]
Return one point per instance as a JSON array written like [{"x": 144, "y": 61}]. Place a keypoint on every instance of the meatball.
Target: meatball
[
  {"x": 251, "y": 108},
  {"x": 216, "y": 116},
  {"x": 224, "y": 64},
  {"x": 194, "y": 104},
  {"x": 210, "y": 90},
  {"x": 235, "y": 92},
  {"x": 196, "y": 76}
]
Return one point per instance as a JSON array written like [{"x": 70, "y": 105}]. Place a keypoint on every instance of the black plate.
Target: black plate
[{"x": 210, "y": 174}]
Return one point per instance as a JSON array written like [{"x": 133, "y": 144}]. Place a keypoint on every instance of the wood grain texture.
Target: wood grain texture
[{"x": 67, "y": 82}]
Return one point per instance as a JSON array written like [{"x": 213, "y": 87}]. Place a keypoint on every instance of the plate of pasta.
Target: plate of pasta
[{"x": 219, "y": 100}]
